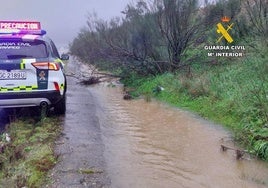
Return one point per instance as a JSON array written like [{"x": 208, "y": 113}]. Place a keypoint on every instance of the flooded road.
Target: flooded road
[
  {"x": 110, "y": 142},
  {"x": 153, "y": 145}
]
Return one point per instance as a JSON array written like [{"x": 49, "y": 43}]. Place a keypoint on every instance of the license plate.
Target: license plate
[{"x": 13, "y": 75}]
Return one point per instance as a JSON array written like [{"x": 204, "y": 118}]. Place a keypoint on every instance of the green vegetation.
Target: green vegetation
[
  {"x": 27, "y": 157},
  {"x": 233, "y": 95},
  {"x": 161, "y": 44}
]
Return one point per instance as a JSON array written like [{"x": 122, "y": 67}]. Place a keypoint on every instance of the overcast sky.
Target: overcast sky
[{"x": 61, "y": 18}]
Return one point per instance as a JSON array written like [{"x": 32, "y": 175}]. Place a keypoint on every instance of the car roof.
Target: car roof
[{"x": 22, "y": 30}]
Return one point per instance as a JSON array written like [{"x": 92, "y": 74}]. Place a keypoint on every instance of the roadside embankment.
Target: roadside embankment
[
  {"x": 234, "y": 95},
  {"x": 27, "y": 152}
]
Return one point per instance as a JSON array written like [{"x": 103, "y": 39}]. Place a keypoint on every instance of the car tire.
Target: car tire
[{"x": 60, "y": 107}]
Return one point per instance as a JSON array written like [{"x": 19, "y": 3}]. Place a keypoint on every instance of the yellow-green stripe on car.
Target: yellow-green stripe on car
[
  {"x": 62, "y": 86},
  {"x": 19, "y": 88},
  {"x": 22, "y": 64}
]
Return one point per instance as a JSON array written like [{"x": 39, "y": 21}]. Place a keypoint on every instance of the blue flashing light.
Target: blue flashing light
[
  {"x": 22, "y": 32},
  {"x": 32, "y": 32},
  {"x": 43, "y": 32}
]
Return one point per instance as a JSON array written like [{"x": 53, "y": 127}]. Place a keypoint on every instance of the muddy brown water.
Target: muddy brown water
[{"x": 154, "y": 145}]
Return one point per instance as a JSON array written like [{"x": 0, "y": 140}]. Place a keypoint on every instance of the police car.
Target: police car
[{"x": 31, "y": 69}]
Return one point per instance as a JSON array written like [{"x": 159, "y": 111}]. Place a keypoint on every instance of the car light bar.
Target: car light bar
[
  {"x": 22, "y": 32},
  {"x": 21, "y": 27}
]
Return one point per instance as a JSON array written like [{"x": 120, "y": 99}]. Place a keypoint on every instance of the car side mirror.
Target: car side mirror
[{"x": 64, "y": 57}]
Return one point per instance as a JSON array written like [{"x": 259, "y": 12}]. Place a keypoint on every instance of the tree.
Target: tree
[
  {"x": 179, "y": 24},
  {"x": 136, "y": 41},
  {"x": 257, "y": 12}
]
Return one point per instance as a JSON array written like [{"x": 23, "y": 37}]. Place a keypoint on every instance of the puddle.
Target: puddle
[{"x": 154, "y": 145}]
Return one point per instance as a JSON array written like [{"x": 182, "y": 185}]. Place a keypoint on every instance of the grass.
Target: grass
[
  {"x": 26, "y": 159},
  {"x": 234, "y": 95}
]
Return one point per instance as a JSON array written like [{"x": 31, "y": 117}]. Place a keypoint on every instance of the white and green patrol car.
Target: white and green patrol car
[{"x": 31, "y": 70}]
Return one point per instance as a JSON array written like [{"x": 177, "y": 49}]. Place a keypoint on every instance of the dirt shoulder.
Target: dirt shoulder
[{"x": 81, "y": 161}]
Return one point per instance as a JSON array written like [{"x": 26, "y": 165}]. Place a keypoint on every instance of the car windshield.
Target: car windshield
[{"x": 22, "y": 49}]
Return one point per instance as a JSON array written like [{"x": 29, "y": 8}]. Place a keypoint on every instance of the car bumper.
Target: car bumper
[{"x": 29, "y": 99}]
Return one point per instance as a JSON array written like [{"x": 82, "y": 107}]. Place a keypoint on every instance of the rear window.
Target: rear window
[{"x": 22, "y": 49}]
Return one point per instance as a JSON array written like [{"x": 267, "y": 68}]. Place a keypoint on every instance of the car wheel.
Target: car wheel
[{"x": 60, "y": 107}]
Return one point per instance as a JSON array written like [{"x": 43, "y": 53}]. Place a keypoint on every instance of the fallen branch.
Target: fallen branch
[
  {"x": 107, "y": 74},
  {"x": 91, "y": 80},
  {"x": 239, "y": 153},
  {"x": 72, "y": 75}
]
